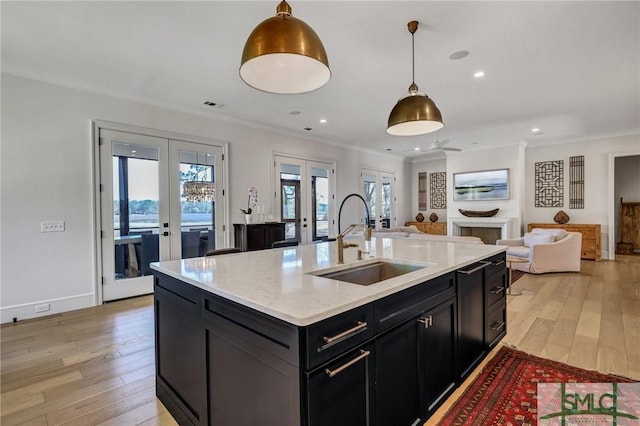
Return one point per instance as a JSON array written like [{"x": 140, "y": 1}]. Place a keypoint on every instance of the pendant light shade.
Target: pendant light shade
[
  {"x": 416, "y": 113},
  {"x": 284, "y": 55}
]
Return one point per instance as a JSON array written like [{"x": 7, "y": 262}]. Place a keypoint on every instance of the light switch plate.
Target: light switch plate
[{"x": 52, "y": 226}]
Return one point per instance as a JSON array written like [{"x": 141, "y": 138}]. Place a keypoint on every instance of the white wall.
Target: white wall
[
  {"x": 47, "y": 174},
  {"x": 427, "y": 166},
  {"x": 510, "y": 157},
  {"x": 598, "y": 200}
]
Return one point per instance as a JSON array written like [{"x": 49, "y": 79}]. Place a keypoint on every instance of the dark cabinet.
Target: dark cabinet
[
  {"x": 178, "y": 342},
  {"x": 391, "y": 362},
  {"x": 482, "y": 310},
  {"x": 259, "y": 236},
  {"x": 340, "y": 393},
  {"x": 438, "y": 354},
  {"x": 398, "y": 362}
]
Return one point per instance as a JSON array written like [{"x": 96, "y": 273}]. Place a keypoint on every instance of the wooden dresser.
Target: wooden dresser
[
  {"x": 591, "y": 241},
  {"x": 438, "y": 228}
]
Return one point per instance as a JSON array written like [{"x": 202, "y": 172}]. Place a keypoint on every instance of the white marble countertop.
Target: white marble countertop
[{"x": 277, "y": 281}]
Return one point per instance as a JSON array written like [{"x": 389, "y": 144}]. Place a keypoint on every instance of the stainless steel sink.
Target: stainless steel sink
[{"x": 370, "y": 273}]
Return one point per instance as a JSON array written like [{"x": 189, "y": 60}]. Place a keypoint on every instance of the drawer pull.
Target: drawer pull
[
  {"x": 500, "y": 262},
  {"x": 496, "y": 290},
  {"x": 363, "y": 355},
  {"x": 477, "y": 268},
  {"x": 498, "y": 326},
  {"x": 359, "y": 327},
  {"x": 427, "y": 322}
]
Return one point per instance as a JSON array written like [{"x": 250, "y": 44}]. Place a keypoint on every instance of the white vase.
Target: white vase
[{"x": 247, "y": 218}]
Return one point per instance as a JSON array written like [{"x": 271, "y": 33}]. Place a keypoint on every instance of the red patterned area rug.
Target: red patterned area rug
[{"x": 504, "y": 393}]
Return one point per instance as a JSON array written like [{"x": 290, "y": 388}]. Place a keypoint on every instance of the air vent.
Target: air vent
[{"x": 212, "y": 104}]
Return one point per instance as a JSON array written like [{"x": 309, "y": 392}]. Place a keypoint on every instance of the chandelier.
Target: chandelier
[{"x": 199, "y": 190}]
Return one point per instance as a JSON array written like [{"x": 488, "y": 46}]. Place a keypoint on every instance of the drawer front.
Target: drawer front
[
  {"x": 498, "y": 264},
  {"x": 403, "y": 305},
  {"x": 334, "y": 336},
  {"x": 496, "y": 288},
  {"x": 496, "y": 326}
]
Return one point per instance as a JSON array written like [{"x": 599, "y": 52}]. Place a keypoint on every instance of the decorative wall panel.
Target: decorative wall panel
[
  {"x": 549, "y": 191},
  {"x": 576, "y": 182},
  {"x": 438, "y": 190},
  {"x": 422, "y": 191}
]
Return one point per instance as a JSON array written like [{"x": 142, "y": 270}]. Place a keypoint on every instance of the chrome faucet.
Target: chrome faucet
[{"x": 342, "y": 245}]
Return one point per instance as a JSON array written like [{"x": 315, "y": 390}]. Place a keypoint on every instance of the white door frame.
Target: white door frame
[
  {"x": 96, "y": 125},
  {"x": 379, "y": 174},
  {"x": 611, "y": 205},
  {"x": 305, "y": 164}
]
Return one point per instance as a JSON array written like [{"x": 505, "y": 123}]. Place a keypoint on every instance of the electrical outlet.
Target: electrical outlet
[
  {"x": 45, "y": 307},
  {"x": 52, "y": 226}
]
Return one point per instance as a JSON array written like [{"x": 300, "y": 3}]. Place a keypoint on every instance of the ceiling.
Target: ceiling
[{"x": 569, "y": 69}]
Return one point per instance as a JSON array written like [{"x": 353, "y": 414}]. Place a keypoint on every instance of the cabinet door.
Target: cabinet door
[
  {"x": 470, "y": 317},
  {"x": 398, "y": 401},
  {"x": 438, "y": 354},
  {"x": 340, "y": 393},
  {"x": 246, "y": 384},
  {"x": 178, "y": 347}
]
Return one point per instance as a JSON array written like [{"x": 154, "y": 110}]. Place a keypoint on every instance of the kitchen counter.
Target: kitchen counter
[{"x": 277, "y": 282}]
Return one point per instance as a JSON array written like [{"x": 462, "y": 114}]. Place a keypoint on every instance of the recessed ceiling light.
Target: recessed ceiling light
[
  {"x": 478, "y": 74},
  {"x": 459, "y": 55},
  {"x": 416, "y": 149},
  {"x": 535, "y": 130},
  {"x": 133, "y": 151},
  {"x": 323, "y": 120},
  {"x": 295, "y": 112},
  {"x": 308, "y": 129},
  {"x": 389, "y": 149}
]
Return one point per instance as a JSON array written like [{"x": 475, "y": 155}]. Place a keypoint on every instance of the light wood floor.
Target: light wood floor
[{"x": 96, "y": 366}]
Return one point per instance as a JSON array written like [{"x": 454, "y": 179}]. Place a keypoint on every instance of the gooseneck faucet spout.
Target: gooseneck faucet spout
[{"x": 365, "y": 226}]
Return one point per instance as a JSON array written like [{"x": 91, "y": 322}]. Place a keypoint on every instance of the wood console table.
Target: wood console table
[
  {"x": 591, "y": 241},
  {"x": 438, "y": 228}
]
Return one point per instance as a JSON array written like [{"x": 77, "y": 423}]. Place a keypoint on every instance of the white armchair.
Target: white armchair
[{"x": 547, "y": 250}]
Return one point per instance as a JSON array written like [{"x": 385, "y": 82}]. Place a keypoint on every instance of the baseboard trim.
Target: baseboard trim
[{"x": 56, "y": 306}]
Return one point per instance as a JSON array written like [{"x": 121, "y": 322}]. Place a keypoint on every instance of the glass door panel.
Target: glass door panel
[
  {"x": 379, "y": 192},
  {"x": 305, "y": 197},
  {"x": 197, "y": 180},
  {"x": 370, "y": 194},
  {"x": 133, "y": 205}
]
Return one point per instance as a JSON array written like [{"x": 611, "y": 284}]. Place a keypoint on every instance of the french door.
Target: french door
[
  {"x": 304, "y": 197},
  {"x": 378, "y": 189},
  {"x": 145, "y": 214}
]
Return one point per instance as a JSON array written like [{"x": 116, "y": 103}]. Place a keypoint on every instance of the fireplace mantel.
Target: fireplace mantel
[{"x": 509, "y": 226}]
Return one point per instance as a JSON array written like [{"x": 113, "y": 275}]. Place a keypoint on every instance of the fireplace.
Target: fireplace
[{"x": 488, "y": 229}]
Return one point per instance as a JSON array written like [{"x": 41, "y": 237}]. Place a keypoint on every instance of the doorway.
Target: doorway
[
  {"x": 145, "y": 214},
  {"x": 305, "y": 197},
  {"x": 378, "y": 189}
]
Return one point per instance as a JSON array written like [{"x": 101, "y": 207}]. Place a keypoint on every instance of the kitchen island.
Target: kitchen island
[{"x": 260, "y": 338}]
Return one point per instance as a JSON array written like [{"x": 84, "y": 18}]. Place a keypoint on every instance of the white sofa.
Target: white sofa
[
  {"x": 546, "y": 250},
  {"x": 412, "y": 232}
]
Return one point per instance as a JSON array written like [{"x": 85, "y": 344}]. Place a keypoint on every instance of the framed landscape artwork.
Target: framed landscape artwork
[{"x": 482, "y": 185}]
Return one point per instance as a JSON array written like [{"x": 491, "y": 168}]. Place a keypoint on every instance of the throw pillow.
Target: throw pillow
[{"x": 557, "y": 234}]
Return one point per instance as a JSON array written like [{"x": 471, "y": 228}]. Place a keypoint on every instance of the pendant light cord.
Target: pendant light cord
[{"x": 413, "y": 58}]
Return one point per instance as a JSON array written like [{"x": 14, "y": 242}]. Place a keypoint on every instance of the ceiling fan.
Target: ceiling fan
[{"x": 437, "y": 145}]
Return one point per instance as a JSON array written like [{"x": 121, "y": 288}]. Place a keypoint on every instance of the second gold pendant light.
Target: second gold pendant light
[
  {"x": 416, "y": 113},
  {"x": 284, "y": 55}
]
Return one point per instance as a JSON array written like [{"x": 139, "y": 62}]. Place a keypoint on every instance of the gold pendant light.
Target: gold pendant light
[
  {"x": 284, "y": 55},
  {"x": 416, "y": 113}
]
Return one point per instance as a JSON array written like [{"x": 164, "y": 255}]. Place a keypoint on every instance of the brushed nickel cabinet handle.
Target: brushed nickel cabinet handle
[
  {"x": 363, "y": 355},
  {"x": 483, "y": 265},
  {"x": 360, "y": 326},
  {"x": 498, "y": 263},
  {"x": 498, "y": 326},
  {"x": 496, "y": 290}
]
